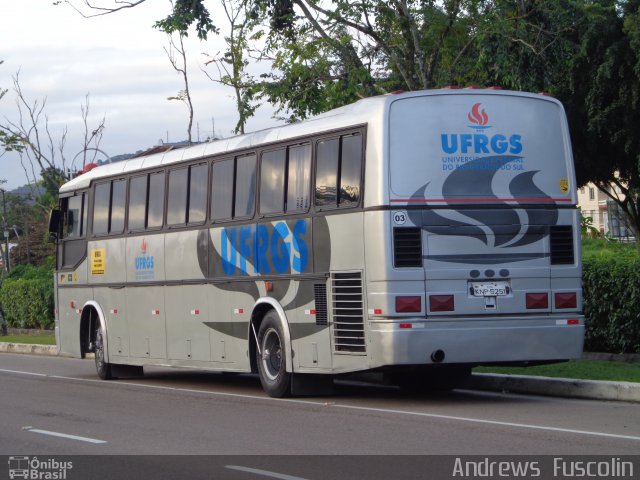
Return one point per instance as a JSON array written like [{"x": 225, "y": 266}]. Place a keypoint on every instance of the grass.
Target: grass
[
  {"x": 37, "y": 339},
  {"x": 603, "y": 248},
  {"x": 579, "y": 369}
]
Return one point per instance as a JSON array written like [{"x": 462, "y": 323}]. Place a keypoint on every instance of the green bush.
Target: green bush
[
  {"x": 611, "y": 286},
  {"x": 26, "y": 295}
]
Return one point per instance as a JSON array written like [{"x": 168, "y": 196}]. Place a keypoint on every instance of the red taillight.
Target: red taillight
[
  {"x": 406, "y": 325},
  {"x": 441, "y": 303},
  {"x": 408, "y": 304},
  {"x": 573, "y": 321},
  {"x": 537, "y": 300},
  {"x": 566, "y": 300}
]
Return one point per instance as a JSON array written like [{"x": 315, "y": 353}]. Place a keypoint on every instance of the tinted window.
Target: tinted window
[
  {"x": 101, "y": 202},
  {"x": 327, "y": 173},
  {"x": 350, "y": 170},
  {"x": 85, "y": 214},
  {"x": 198, "y": 194},
  {"x": 222, "y": 190},
  {"x": 299, "y": 177},
  {"x": 137, "y": 202},
  {"x": 272, "y": 181},
  {"x": 245, "y": 186},
  {"x": 177, "y": 203},
  {"x": 118, "y": 201},
  {"x": 156, "y": 200},
  {"x": 73, "y": 219}
]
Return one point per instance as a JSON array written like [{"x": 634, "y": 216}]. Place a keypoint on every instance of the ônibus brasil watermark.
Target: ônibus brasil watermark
[{"x": 33, "y": 468}]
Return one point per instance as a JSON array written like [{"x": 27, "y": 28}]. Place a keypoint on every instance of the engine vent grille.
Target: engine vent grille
[
  {"x": 347, "y": 308},
  {"x": 561, "y": 245},
  {"x": 407, "y": 247},
  {"x": 320, "y": 293}
]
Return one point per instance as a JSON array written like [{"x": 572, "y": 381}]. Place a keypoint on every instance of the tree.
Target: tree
[
  {"x": 42, "y": 154},
  {"x": 589, "y": 59},
  {"x": 585, "y": 52},
  {"x": 232, "y": 64},
  {"x": 178, "y": 58}
]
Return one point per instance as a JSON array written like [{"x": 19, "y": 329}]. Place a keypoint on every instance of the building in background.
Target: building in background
[{"x": 606, "y": 215}]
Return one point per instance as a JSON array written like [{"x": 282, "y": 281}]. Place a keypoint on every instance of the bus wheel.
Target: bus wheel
[
  {"x": 103, "y": 368},
  {"x": 270, "y": 357}
]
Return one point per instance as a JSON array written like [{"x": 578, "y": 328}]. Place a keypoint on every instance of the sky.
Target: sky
[{"x": 119, "y": 61}]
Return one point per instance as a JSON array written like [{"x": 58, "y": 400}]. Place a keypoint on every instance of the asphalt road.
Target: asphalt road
[{"x": 58, "y": 406}]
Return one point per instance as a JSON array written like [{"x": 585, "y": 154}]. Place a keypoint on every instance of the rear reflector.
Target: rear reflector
[
  {"x": 566, "y": 300},
  {"x": 537, "y": 300},
  {"x": 408, "y": 304},
  {"x": 573, "y": 321},
  {"x": 406, "y": 325},
  {"x": 441, "y": 303}
]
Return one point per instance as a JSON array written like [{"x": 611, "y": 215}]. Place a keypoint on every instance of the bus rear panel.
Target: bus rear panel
[{"x": 482, "y": 234}]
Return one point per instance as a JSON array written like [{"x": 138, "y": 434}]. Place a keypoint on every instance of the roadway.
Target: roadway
[{"x": 57, "y": 406}]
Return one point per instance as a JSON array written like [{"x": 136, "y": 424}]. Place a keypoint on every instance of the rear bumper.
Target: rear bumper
[{"x": 473, "y": 341}]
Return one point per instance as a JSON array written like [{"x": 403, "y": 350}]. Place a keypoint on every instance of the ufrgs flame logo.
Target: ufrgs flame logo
[
  {"x": 478, "y": 117},
  {"x": 143, "y": 246}
]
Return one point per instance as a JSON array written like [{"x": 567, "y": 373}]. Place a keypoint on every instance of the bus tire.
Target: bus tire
[
  {"x": 271, "y": 357},
  {"x": 103, "y": 368}
]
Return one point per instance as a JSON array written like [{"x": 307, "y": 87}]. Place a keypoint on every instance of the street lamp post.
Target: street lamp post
[{"x": 5, "y": 229}]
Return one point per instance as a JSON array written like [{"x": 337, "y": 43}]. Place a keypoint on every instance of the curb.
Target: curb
[
  {"x": 556, "y": 387},
  {"x": 494, "y": 382},
  {"x": 32, "y": 348}
]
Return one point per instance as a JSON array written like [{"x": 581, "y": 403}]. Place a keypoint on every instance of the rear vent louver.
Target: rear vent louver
[
  {"x": 561, "y": 245},
  {"x": 347, "y": 310},
  {"x": 407, "y": 247},
  {"x": 320, "y": 293}
]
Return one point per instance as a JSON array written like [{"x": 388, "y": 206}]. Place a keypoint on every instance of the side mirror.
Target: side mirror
[{"x": 55, "y": 218}]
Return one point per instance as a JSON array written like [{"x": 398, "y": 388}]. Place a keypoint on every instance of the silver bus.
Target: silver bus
[{"x": 418, "y": 234}]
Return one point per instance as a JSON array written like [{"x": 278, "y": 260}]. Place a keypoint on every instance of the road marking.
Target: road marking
[
  {"x": 265, "y": 473},
  {"x": 24, "y": 373},
  {"x": 343, "y": 406},
  {"x": 65, "y": 435}
]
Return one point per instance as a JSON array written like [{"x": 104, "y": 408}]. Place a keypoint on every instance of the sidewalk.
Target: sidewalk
[{"x": 555, "y": 387}]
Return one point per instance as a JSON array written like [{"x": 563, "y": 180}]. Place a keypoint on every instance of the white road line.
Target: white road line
[
  {"x": 348, "y": 407},
  {"x": 66, "y": 435},
  {"x": 265, "y": 473},
  {"x": 24, "y": 373}
]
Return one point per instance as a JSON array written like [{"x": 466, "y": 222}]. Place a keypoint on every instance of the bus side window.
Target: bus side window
[
  {"x": 222, "y": 190},
  {"x": 198, "y": 180},
  {"x": 338, "y": 171},
  {"x": 272, "y": 170},
  {"x": 118, "y": 202},
  {"x": 327, "y": 154},
  {"x": 298, "y": 180},
  {"x": 73, "y": 217},
  {"x": 137, "y": 202},
  {"x": 177, "y": 202},
  {"x": 244, "y": 204},
  {"x": 155, "y": 209},
  {"x": 350, "y": 170},
  {"x": 101, "y": 201}
]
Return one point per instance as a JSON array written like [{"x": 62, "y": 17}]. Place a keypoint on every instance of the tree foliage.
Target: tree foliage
[{"x": 325, "y": 54}]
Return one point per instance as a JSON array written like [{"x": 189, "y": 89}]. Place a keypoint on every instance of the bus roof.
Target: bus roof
[{"x": 358, "y": 113}]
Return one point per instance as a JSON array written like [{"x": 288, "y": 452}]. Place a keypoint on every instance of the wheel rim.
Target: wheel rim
[
  {"x": 99, "y": 353},
  {"x": 271, "y": 354}
]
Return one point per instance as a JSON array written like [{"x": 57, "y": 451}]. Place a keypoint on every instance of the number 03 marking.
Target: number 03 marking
[{"x": 399, "y": 218}]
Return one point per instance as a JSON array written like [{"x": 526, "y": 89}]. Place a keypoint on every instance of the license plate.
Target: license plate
[{"x": 490, "y": 289}]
